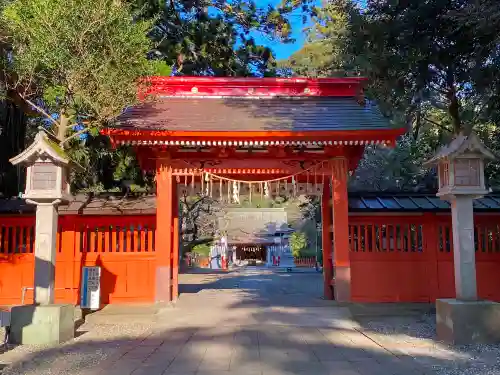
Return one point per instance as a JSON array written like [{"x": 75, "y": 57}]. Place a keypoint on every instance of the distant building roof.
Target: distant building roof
[
  {"x": 252, "y": 225},
  {"x": 145, "y": 204}
]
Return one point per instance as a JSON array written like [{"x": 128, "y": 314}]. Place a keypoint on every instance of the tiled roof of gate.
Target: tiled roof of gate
[
  {"x": 245, "y": 114},
  {"x": 413, "y": 203},
  {"x": 145, "y": 204}
]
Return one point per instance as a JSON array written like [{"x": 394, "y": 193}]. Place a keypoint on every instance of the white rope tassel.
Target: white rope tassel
[
  {"x": 207, "y": 185},
  {"x": 236, "y": 195},
  {"x": 266, "y": 190}
]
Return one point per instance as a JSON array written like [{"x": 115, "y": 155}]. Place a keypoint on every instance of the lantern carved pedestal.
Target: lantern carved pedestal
[
  {"x": 465, "y": 319},
  {"x": 46, "y": 187}
]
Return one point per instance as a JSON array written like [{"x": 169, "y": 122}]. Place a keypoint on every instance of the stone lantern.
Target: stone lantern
[
  {"x": 461, "y": 167},
  {"x": 47, "y": 171},
  {"x": 461, "y": 180},
  {"x": 47, "y": 187}
]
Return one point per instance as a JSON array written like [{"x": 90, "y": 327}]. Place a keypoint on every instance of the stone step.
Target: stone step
[
  {"x": 390, "y": 309},
  {"x": 125, "y": 314}
]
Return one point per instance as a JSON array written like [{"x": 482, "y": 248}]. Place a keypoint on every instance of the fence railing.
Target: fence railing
[
  {"x": 410, "y": 258},
  {"x": 123, "y": 246},
  {"x": 17, "y": 235},
  {"x": 305, "y": 262}
]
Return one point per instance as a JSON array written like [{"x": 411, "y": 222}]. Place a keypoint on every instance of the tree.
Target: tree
[
  {"x": 214, "y": 37},
  {"x": 12, "y": 134},
  {"x": 76, "y": 63},
  {"x": 298, "y": 243},
  {"x": 432, "y": 66},
  {"x": 198, "y": 224},
  {"x": 325, "y": 52},
  {"x": 420, "y": 57}
]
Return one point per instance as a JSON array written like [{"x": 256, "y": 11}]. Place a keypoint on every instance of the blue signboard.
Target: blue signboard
[{"x": 91, "y": 288}]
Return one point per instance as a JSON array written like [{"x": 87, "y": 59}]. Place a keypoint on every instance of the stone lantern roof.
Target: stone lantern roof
[
  {"x": 460, "y": 145},
  {"x": 42, "y": 147}
]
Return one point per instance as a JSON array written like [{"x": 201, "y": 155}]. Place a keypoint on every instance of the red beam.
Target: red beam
[
  {"x": 251, "y": 87},
  {"x": 332, "y": 135},
  {"x": 305, "y": 156}
]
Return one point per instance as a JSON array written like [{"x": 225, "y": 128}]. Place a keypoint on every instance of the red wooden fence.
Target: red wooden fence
[
  {"x": 306, "y": 262},
  {"x": 123, "y": 246},
  {"x": 393, "y": 258},
  {"x": 410, "y": 258}
]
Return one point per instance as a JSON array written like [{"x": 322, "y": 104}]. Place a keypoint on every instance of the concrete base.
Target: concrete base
[
  {"x": 41, "y": 325},
  {"x": 463, "y": 322}
]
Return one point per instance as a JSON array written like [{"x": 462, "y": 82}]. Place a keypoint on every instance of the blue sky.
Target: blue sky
[{"x": 281, "y": 50}]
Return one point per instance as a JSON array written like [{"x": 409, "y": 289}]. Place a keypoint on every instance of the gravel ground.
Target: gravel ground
[
  {"x": 94, "y": 345},
  {"x": 415, "y": 337}
]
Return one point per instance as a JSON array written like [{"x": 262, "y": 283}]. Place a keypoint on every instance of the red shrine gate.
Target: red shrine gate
[{"x": 229, "y": 136}]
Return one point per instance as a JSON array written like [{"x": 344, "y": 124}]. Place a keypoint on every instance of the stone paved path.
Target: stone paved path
[{"x": 249, "y": 322}]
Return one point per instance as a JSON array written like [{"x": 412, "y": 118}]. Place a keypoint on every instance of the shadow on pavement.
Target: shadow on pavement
[
  {"x": 228, "y": 350},
  {"x": 255, "y": 323}
]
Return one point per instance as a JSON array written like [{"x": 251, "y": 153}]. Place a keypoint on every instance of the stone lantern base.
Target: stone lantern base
[
  {"x": 42, "y": 325},
  {"x": 467, "y": 322}
]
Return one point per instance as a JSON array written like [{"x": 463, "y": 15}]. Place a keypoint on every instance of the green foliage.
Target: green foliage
[
  {"x": 325, "y": 53},
  {"x": 433, "y": 67},
  {"x": 421, "y": 55},
  {"x": 106, "y": 168},
  {"x": 212, "y": 37},
  {"x": 201, "y": 249},
  {"x": 298, "y": 243},
  {"x": 82, "y": 57}
]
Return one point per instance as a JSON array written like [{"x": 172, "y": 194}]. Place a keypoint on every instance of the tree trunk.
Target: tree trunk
[
  {"x": 453, "y": 102},
  {"x": 454, "y": 111},
  {"x": 12, "y": 141}
]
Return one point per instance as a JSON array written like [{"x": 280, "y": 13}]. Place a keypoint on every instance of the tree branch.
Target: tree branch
[
  {"x": 74, "y": 135},
  {"x": 438, "y": 125},
  {"x": 40, "y": 110}
]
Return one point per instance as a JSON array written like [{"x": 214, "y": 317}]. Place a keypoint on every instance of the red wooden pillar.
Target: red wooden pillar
[
  {"x": 164, "y": 227},
  {"x": 326, "y": 225},
  {"x": 175, "y": 241},
  {"x": 341, "y": 257}
]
